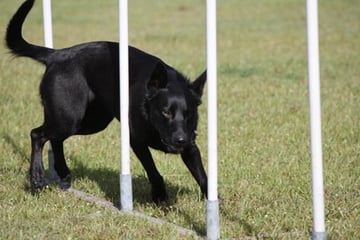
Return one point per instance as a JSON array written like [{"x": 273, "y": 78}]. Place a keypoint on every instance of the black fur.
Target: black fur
[{"x": 80, "y": 95}]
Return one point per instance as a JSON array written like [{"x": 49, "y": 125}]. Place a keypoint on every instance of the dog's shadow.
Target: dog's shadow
[{"x": 108, "y": 181}]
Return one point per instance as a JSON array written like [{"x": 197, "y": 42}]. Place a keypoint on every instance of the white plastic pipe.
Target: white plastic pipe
[
  {"x": 212, "y": 100},
  {"x": 48, "y": 33},
  {"x": 212, "y": 206},
  {"x": 125, "y": 177},
  {"x": 315, "y": 120}
]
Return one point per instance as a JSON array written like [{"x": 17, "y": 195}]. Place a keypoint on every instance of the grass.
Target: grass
[{"x": 264, "y": 162}]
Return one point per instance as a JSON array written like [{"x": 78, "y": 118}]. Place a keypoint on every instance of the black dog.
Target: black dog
[{"x": 80, "y": 95}]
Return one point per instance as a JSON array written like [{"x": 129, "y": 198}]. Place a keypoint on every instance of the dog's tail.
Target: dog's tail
[{"x": 15, "y": 41}]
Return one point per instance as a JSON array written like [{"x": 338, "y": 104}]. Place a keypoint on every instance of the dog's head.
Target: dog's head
[{"x": 171, "y": 106}]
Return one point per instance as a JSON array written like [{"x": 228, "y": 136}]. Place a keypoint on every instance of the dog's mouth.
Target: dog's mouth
[{"x": 172, "y": 148}]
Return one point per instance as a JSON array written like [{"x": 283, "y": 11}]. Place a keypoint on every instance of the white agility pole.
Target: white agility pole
[
  {"x": 315, "y": 121},
  {"x": 48, "y": 40},
  {"x": 126, "y": 199},
  {"x": 47, "y": 23},
  {"x": 212, "y": 205}
]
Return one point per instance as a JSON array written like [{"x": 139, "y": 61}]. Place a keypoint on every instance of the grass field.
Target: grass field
[{"x": 264, "y": 161}]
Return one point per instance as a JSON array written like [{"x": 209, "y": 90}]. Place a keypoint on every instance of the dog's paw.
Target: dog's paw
[
  {"x": 38, "y": 182},
  {"x": 159, "y": 195},
  {"x": 65, "y": 182}
]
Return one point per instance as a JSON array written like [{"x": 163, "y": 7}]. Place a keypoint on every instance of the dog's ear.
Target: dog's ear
[
  {"x": 198, "y": 85},
  {"x": 158, "y": 77}
]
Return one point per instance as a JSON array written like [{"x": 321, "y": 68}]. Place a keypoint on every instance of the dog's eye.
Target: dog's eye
[{"x": 167, "y": 114}]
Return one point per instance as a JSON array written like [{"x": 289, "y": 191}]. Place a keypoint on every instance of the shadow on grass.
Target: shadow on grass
[{"x": 108, "y": 181}]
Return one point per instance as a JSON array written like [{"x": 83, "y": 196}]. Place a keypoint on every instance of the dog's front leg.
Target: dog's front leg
[
  {"x": 192, "y": 159},
  {"x": 142, "y": 152}
]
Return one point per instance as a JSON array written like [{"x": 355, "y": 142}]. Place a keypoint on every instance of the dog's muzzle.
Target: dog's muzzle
[{"x": 176, "y": 146}]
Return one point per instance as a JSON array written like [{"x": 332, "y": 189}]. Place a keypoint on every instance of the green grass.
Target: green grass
[{"x": 264, "y": 161}]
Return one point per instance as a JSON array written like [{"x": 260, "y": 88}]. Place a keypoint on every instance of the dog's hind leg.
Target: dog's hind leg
[
  {"x": 192, "y": 159},
  {"x": 37, "y": 172},
  {"x": 158, "y": 189},
  {"x": 60, "y": 164}
]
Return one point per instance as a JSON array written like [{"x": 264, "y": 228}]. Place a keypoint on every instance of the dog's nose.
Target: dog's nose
[{"x": 180, "y": 141}]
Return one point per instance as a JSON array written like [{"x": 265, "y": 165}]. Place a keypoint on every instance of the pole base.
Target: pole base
[
  {"x": 126, "y": 198},
  {"x": 212, "y": 220},
  {"x": 318, "y": 236}
]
